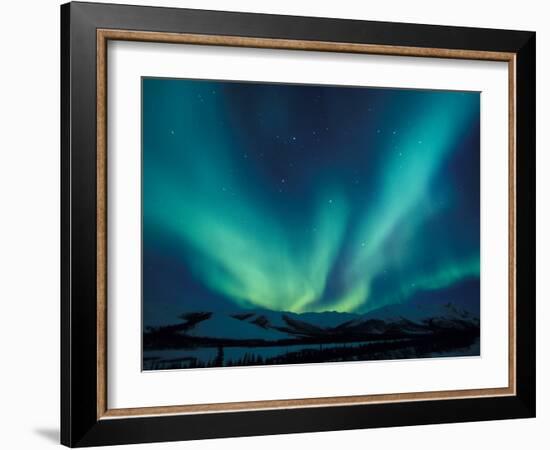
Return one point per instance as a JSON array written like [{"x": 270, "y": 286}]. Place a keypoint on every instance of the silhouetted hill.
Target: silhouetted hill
[{"x": 427, "y": 313}]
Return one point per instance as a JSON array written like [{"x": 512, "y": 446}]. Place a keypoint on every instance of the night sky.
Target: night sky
[{"x": 305, "y": 198}]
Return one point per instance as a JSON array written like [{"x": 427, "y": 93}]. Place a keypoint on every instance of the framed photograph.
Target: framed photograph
[{"x": 276, "y": 224}]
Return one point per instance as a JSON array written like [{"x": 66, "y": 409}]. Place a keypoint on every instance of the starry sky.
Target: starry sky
[{"x": 304, "y": 198}]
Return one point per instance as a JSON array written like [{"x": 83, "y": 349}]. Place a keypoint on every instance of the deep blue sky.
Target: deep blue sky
[{"x": 305, "y": 198}]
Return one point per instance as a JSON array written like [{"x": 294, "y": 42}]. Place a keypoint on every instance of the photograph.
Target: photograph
[
  {"x": 294, "y": 223},
  {"x": 275, "y": 225},
  {"x": 285, "y": 221}
]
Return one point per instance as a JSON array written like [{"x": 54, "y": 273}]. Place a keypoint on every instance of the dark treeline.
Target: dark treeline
[{"x": 448, "y": 343}]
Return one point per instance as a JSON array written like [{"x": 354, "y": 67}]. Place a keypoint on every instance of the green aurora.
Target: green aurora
[{"x": 305, "y": 198}]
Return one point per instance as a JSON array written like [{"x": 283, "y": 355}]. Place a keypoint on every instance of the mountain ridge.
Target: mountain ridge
[{"x": 426, "y": 315}]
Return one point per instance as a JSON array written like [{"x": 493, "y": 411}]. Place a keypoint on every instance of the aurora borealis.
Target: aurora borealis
[{"x": 305, "y": 198}]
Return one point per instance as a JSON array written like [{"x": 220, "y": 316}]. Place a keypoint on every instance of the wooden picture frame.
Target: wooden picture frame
[{"x": 86, "y": 418}]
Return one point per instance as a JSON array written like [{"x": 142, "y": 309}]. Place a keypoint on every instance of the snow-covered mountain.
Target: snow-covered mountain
[
  {"x": 427, "y": 313},
  {"x": 221, "y": 326}
]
